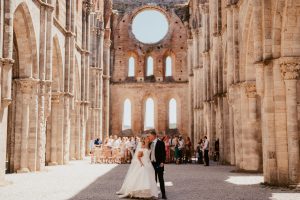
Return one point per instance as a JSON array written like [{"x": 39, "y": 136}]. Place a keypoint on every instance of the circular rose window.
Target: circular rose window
[{"x": 150, "y": 26}]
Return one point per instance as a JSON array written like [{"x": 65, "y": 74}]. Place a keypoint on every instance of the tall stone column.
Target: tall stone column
[
  {"x": 26, "y": 87},
  {"x": 77, "y": 132},
  {"x": 106, "y": 81},
  {"x": 230, "y": 53},
  {"x": 54, "y": 129},
  {"x": 236, "y": 40},
  {"x": 268, "y": 136},
  {"x": 251, "y": 145},
  {"x": 100, "y": 65},
  {"x": 191, "y": 90},
  {"x": 6, "y": 62},
  {"x": 290, "y": 72}
]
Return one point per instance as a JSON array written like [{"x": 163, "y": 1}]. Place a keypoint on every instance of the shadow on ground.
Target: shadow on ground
[{"x": 191, "y": 182}]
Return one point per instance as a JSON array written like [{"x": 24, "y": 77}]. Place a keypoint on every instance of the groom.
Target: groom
[{"x": 158, "y": 158}]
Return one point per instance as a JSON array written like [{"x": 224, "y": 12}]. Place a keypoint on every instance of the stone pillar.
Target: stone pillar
[
  {"x": 230, "y": 61},
  {"x": 251, "y": 144},
  {"x": 258, "y": 33},
  {"x": 191, "y": 94},
  {"x": 236, "y": 49},
  {"x": 106, "y": 81},
  {"x": 6, "y": 62},
  {"x": 290, "y": 72},
  {"x": 282, "y": 156},
  {"x": 269, "y": 140},
  {"x": 77, "y": 132},
  {"x": 54, "y": 128},
  {"x": 26, "y": 87}
]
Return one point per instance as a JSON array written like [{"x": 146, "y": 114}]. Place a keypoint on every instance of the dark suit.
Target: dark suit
[{"x": 160, "y": 157}]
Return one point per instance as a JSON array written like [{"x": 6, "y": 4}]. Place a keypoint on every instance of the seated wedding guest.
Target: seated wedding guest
[
  {"x": 91, "y": 150},
  {"x": 91, "y": 146},
  {"x": 106, "y": 141},
  {"x": 117, "y": 142},
  {"x": 110, "y": 141},
  {"x": 97, "y": 142}
]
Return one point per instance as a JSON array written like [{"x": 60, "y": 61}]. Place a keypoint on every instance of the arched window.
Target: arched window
[
  {"x": 131, "y": 66},
  {"x": 172, "y": 114},
  {"x": 126, "y": 124},
  {"x": 149, "y": 66},
  {"x": 168, "y": 66},
  {"x": 149, "y": 114}
]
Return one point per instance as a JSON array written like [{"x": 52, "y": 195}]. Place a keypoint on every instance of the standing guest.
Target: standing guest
[
  {"x": 167, "y": 145},
  {"x": 217, "y": 151},
  {"x": 188, "y": 150},
  {"x": 172, "y": 148},
  {"x": 177, "y": 151},
  {"x": 200, "y": 152},
  {"x": 181, "y": 148},
  {"x": 206, "y": 149}
]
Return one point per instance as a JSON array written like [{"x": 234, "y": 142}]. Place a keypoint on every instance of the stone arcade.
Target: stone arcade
[{"x": 64, "y": 75}]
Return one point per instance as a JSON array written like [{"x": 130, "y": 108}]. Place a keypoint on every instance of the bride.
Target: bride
[{"x": 140, "y": 178}]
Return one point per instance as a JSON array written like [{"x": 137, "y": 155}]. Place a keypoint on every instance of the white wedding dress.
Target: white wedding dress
[{"x": 140, "y": 180}]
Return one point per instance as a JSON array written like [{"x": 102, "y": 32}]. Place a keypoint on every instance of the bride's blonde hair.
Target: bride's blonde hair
[{"x": 144, "y": 141}]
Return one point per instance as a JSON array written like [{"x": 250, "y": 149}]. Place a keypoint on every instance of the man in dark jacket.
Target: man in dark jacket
[{"x": 158, "y": 159}]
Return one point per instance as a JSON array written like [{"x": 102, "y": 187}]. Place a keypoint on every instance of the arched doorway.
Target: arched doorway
[
  {"x": 22, "y": 131},
  {"x": 54, "y": 144}
]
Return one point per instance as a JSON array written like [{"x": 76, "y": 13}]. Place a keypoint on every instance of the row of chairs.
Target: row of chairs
[{"x": 106, "y": 155}]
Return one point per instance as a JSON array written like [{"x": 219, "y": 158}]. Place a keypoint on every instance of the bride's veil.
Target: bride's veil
[{"x": 138, "y": 148}]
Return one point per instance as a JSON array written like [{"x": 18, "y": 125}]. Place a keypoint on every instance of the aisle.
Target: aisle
[{"x": 82, "y": 181}]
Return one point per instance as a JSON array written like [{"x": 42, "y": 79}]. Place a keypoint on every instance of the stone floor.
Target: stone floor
[{"x": 80, "y": 180}]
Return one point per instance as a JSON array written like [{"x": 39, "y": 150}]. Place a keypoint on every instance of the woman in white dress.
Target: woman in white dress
[{"x": 140, "y": 178}]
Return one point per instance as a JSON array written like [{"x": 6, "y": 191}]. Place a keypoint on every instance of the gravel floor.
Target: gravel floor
[{"x": 80, "y": 180}]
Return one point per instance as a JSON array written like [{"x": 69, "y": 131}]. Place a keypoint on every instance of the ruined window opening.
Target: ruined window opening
[
  {"x": 150, "y": 26},
  {"x": 150, "y": 66},
  {"x": 131, "y": 67},
  {"x": 126, "y": 115},
  {"x": 168, "y": 66},
  {"x": 149, "y": 114},
  {"x": 172, "y": 114}
]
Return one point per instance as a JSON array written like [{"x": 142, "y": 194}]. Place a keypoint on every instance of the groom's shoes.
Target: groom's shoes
[{"x": 164, "y": 197}]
